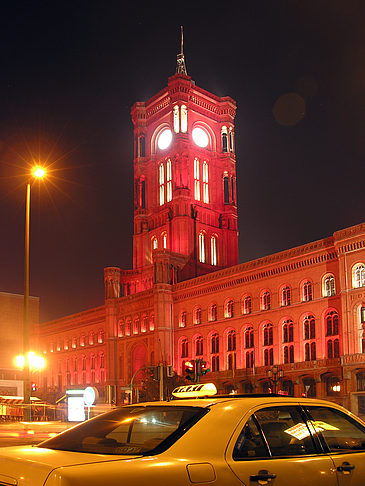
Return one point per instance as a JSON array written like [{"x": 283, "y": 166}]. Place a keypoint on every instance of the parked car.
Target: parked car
[{"x": 215, "y": 440}]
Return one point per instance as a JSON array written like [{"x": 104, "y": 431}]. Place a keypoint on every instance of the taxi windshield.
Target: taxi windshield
[{"x": 130, "y": 430}]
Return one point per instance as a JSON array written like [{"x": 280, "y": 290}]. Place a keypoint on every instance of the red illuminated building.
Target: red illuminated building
[{"x": 291, "y": 322}]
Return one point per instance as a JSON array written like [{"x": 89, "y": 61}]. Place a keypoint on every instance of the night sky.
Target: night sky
[{"x": 69, "y": 74}]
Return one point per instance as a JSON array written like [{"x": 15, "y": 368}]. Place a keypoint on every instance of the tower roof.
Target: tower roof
[{"x": 180, "y": 61}]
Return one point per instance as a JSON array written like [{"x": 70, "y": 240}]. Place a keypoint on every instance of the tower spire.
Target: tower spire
[{"x": 180, "y": 66}]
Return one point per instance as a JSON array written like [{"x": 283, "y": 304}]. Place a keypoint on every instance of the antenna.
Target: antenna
[{"x": 180, "y": 65}]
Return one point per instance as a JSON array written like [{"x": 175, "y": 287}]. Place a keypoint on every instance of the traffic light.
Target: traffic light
[
  {"x": 155, "y": 372},
  {"x": 34, "y": 386},
  {"x": 204, "y": 367},
  {"x": 189, "y": 370}
]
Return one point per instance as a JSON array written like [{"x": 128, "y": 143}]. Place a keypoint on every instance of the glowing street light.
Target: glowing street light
[
  {"x": 38, "y": 172},
  {"x": 36, "y": 363}
]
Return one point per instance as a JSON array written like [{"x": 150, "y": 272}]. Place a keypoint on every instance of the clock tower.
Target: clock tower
[{"x": 185, "y": 206}]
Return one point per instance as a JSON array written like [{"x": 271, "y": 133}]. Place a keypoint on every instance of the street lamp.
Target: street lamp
[
  {"x": 38, "y": 172},
  {"x": 274, "y": 375}
]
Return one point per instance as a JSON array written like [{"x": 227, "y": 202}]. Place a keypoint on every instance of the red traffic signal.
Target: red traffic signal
[{"x": 189, "y": 370}]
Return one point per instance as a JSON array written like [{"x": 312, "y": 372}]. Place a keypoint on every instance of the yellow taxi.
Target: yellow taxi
[{"x": 198, "y": 438}]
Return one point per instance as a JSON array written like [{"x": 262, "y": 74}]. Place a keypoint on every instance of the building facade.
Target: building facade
[{"x": 291, "y": 322}]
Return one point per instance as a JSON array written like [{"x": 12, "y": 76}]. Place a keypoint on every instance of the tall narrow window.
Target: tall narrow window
[
  {"x": 196, "y": 180},
  {"x": 231, "y": 340},
  {"x": 142, "y": 146},
  {"x": 184, "y": 119},
  {"x": 232, "y": 190},
  {"x": 307, "y": 291},
  {"x": 213, "y": 312},
  {"x": 176, "y": 119},
  {"x": 205, "y": 183},
  {"x": 213, "y": 250},
  {"x": 215, "y": 343},
  {"x": 226, "y": 189},
  {"x": 229, "y": 310},
  {"x": 247, "y": 305},
  {"x": 249, "y": 337},
  {"x": 164, "y": 240},
  {"x": 168, "y": 181},
  {"x": 199, "y": 346},
  {"x": 265, "y": 300},
  {"x": 268, "y": 334},
  {"x": 154, "y": 243},
  {"x": 359, "y": 276},
  {"x": 224, "y": 139},
  {"x": 288, "y": 331},
  {"x": 331, "y": 320},
  {"x": 184, "y": 348},
  {"x": 329, "y": 286},
  {"x": 286, "y": 296},
  {"x": 231, "y": 148},
  {"x": 161, "y": 179},
  {"x": 183, "y": 318},
  {"x": 202, "y": 247}
]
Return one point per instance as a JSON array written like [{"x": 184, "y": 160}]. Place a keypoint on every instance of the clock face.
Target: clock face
[
  {"x": 200, "y": 137},
  {"x": 164, "y": 139}
]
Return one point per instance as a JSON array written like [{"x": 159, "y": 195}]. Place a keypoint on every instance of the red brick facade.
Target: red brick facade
[{"x": 187, "y": 298}]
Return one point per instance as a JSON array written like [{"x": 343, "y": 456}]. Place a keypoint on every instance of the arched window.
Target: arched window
[
  {"x": 310, "y": 351},
  {"x": 154, "y": 243},
  {"x": 309, "y": 325},
  {"x": 141, "y": 146},
  {"x": 229, "y": 310},
  {"x": 332, "y": 321},
  {"x": 285, "y": 296},
  {"x": 161, "y": 181},
  {"x": 265, "y": 300},
  {"x": 249, "y": 337},
  {"x": 289, "y": 354},
  {"x": 329, "y": 288},
  {"x": 128, "y": 326},
  {"x": 196, "y": 179},
  {"x": 176, "y": 119},
  {"x": 247, "y": 305},
  {"x": 307, "y": 291},
  {"x": 205, "y": 182},
  {"x": 226, "y": 189},
  {"x": 268, "y": 357},
  {"x": 268, "y": 334},
  {"x": 231, "y": 138},
  {"x": 358, "y": 276},
  {"x": 215, "y": 363},
  {"x": 231, "y": 362},
  {"x": 213, "y": 312},
  {"x": 288, "y": 331},
  {"x": 136, "y": 326},
  {"x": 101, "y": 335},
  {"x": 82, "y": 342},
  {"x": 249, "y": 359},
  {"x": 152, "y": 322},
  {"x": 91, "y": 337},
  {"x": 199, "y": 346},
  {"x": 231, "y": 340},
  {"x": 213, "y": 250},
  {"x": 333, "y": 348},
  {"x": 168, "y": 181},
  {"x": 184, "y": 348},
  {"x": 144, "y": 324},
  {"x": 141, "y": 192},
  {"x": 184, "y": 119},
  {"x": 202, "y": 247},
  {"x": 224, "y": 139},
  {"x": 183, "y": 317},
  {"x": 214, "y": 343},
  {"x": 164, "y": 240},
  {"x": 198, "y": 315}
]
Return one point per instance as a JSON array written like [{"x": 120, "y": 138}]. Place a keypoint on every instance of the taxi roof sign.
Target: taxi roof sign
[{"x": 195, "y": 391}]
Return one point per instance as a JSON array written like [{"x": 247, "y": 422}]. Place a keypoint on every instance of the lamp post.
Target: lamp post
[
  {"x": 37, "y": 172},
  {"x": 274, "y": 375}
]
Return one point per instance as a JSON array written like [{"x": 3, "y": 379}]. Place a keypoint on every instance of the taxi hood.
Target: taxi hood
[{"x": 24, "y": 465}]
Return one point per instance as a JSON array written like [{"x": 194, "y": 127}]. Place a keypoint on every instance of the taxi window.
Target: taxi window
[
  {"x": 131, "y": 430},
  {"x": 341, "y": 432},
  {"x": 250, "y": 444},
  {"x": 286, "y": 432}
]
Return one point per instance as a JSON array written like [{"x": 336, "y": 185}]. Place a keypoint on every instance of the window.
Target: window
[
  {"x": 202, "y": 247},
  {"x": 231, "y": 147},
  {"x": 144, "y": 325},
  {"x": 309, "y": 324},
  {"x": 184, "y": 348},
  {"x": 91, "y": 337},
  {"x": 136, "y": 326},
  {"x": 285, "y": 296},
  {"x": 268, "y": 356},
  {"x": 183, "y": 317},
  {"x": 213, "y": 250},
  {"x": 176, "y": 119},
  {"x": 154, "y": 243},
  {"x": 215, "y": 363},
  {"x": 358, "y": 276},
  {"x": 331, "y": 320},
  {"x": 250, "y": 444},
  {"x": 268, "y": 334},
  {"x": 205, "y": 182},
  {"x": 265, "y": 300},
  {"x": 198, "y": 315},
  {"x": 214, "y": 341},
  {"x": 229, "y": 310},
  {"x": 249, "y": 337},
  {"x": 161, "y": 180},
  {"x": 232, "y": 190},
  {"x": 231, "y": 340},
  {"x": 152, "y": 322},
  {"x": 82, "y": 341},
  {"x": 288, "y": 355},
  {"x": 224, "y": 139},
  {"x": 250, "y": 359},
  {"x": 307, "y": 291},
  {"x": 199, "y": 346},
  {"x": 101, "y": 335},
  {"x": 288, "y": 331},
  {"x": 226, "y": 189},
  {"x": 168, "y": 181},
  {"x": 164, "y": 240},
  {"x": 196, "y": 179},
  {"x": 360, "y": 381},
  {"x": 231, "y": 362},
  {"x": 213, "y": 312},
  {"x": 333, "y": 348},
  {"x": 329, "y": 286},
  {"x": 184, "y": 119},
  {"x": 141, "y": 146},
  {"x": 247, "y": 305},
  {"x": 343, "y": 433}
]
